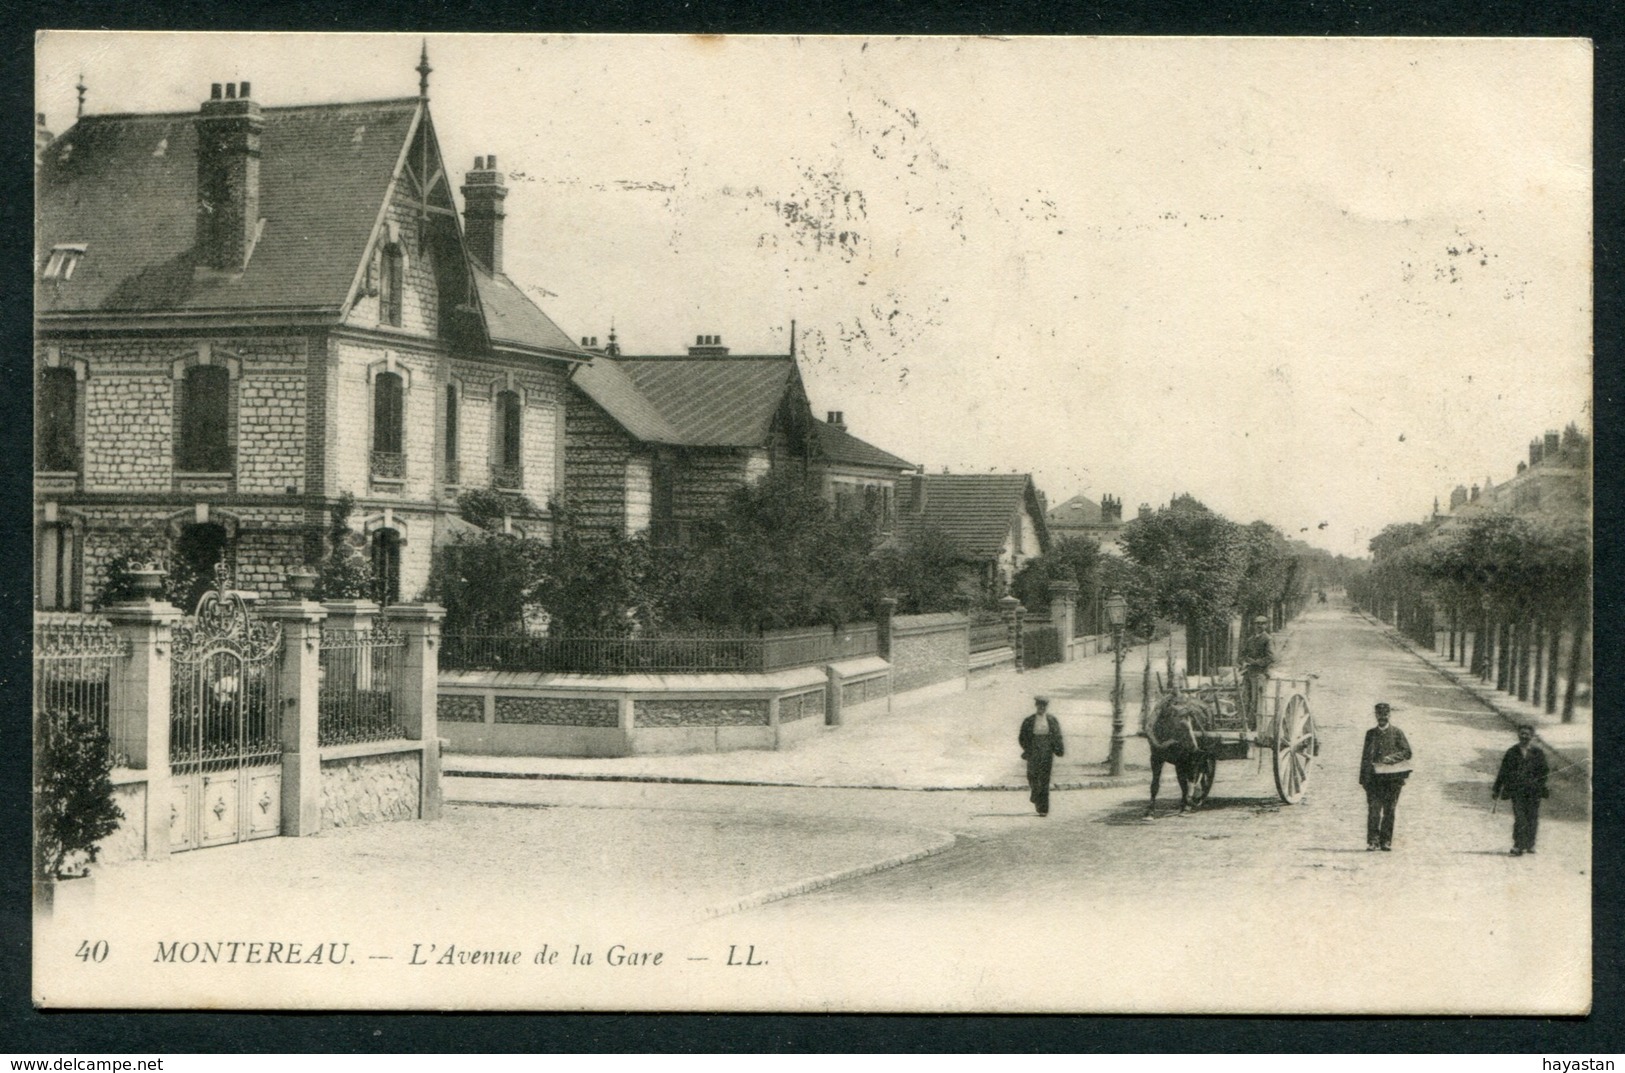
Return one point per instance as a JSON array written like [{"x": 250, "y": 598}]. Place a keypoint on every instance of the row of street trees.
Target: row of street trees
[
  {"x": 1188, "y": 564},
  {"x": 1506, "y": 595}
]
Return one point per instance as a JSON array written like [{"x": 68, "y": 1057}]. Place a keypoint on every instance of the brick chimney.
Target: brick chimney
[
  {"x": 483, "y": 195},
  {"x": 1534, "y": 452},
  {"x": 1553, "y": 444},
  {"x": 837, "y": 419},
  {"x": 228, "y": 177},
  {"x": 708, "y": 346}
]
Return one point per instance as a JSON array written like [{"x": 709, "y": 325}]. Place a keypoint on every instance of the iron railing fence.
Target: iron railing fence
[
  {"x": 507, "y": 476},
  {"x": 390, "y": 465},
  {"x": 362, "y": 674},
  {"x": 986, "y": 636},
  {"x": 80, "y": 667},
  {"x": 686, "y": 653}
]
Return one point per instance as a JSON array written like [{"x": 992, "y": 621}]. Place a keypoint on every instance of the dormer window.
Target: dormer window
[{"x": 63, "y": 260}]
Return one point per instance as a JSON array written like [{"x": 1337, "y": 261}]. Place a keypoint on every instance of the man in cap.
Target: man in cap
[
  {"x": 1522, "y": 778},
  {"x": 1257, "y": 657},
  {"x": 1385, "y": 764},
  {"x": 1040, "y": 740}
]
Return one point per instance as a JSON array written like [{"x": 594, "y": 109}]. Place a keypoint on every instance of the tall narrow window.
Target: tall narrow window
[
  {"x": 199, "y": 548},
  {"x": 205, "y": 405},
  {"x": 388, "y": 459},
  {"x": 662, "y": 501},
  {"x": 58, "y": 583},
  {"x": 386, "y": 567},
  {"x": 452, "y": 476},
  {"x": 506, "y": 468},
  {"x": 58, "y": 449},
  {"x": 389, "y": 284}
]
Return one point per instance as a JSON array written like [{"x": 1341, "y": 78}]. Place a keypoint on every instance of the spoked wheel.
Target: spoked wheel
[
  {"x": 1296, "y": 745},
  {"x": 1206, "y": 766}
]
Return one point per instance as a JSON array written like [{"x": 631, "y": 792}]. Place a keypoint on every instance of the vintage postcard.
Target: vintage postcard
[{"x": 813, "y": 523}]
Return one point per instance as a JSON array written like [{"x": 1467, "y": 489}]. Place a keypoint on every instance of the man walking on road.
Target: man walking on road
[
  {"x": 1385, "y": 764},
  {"x": 1040, "y": 740},
  {"x": 1522, "y": 778}
]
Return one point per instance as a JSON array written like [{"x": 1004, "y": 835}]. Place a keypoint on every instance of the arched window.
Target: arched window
[
  {"x": 390, "y": 272},
  {"x": 58, "y": 448},
  {"x": 386, "y": 566},
  {"x": 57, "y": 586},
  {"x": 388, "y": 460},
  {"x": 506, "y": 466},
  {"x": 203, "y": 444},
  {"x": 452, "y": 475},
  {"x": 197, "y": 551}
]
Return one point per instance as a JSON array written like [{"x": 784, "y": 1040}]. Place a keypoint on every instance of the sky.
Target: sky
[{"x": 1304, "y": 280}]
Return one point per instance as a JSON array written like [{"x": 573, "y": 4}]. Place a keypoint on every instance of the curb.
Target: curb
[
  {"x": 829, "y": 879},
  {"x": 1470, "y": 684},
  {"x": 1104, "y": 783}
]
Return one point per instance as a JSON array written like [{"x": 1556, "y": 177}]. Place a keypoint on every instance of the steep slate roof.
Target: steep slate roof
[
  {"x": 1079, "y": 510},
  {"x": 715, "y": 401},
  {"x": 975, "y": 509},
  {"x": 839, "y": 446},
  {"x": 126, "y": 186},
  {"x": 512, "y": 318}
]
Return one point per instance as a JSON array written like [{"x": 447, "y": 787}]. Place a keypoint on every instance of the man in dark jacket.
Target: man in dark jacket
[
  {"x": 1385, "y": 764},
  {"x": 1257, "y": 657},
  {"x": 1523, "y": 780},
  {"x": 1040, "y": 740}
]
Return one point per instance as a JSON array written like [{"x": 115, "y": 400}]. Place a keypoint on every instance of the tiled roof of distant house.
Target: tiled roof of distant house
[
  {"x": 976, "y": 510},
  {"x": 840, "y": 446},
  {"x": 1079, "y": 510},
  {"x": 711, "y": 401},
  {"x": 126, "y": 187}
]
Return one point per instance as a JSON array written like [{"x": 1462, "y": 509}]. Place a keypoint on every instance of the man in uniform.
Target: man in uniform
[
  {"x": 1040, "y": 740},
  {"x": 1385, "y": 764},
  {"x": 1257, "y": 657},
  {"x": 1522, "y": 778}
]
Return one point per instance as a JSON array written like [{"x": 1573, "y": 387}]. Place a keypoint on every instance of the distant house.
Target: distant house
[
  {"x": 996, "y": 520},
  {"x": 1081, "y": 516},
  {"x": 657, "y": 442},
  {"x": 242, "y": 312}
]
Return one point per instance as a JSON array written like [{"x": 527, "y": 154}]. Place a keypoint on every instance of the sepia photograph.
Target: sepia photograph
[{"x": 812, "y": 523}]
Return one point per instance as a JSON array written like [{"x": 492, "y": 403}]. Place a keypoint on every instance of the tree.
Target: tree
[
  {"x": 73, "y": 794},
  {"x": 1194, "y": 561},
  {"x": 344, "y": 574},
  {"x": 922, "y": 574},
  {"x": 1074, "y": 559}
]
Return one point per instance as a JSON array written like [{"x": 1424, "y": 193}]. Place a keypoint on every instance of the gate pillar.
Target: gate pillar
[
  {"x": 301, "y": 692},
  {"x": 139, "y": 711},
  {"x": 1063, "y": 603},
  {"x": 417, "y": 696}
]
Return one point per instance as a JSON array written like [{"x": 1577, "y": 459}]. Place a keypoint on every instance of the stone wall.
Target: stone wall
[
  {"x": 704, "y": 479},
  {"x": 864, "y": 690},
  {"x": 271, "y": 433},
  {"x": 454, "y": 708},
  {"x": 801, "y": 706},
  {"x": 699, "y": 713},
  {"x": 927, "y": 649},
  {"x": 129, "y": 842},
  {"x": 130, "y": 445},
  {"x": 371, "y": 789},
  {"x": 597, "y": 454},
  {"x": 558, "y": 711}
]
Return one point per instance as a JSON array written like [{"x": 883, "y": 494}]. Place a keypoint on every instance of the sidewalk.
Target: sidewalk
[
  {"x": 962, "y": 741},
  {"x": 1569, "y": 743}
]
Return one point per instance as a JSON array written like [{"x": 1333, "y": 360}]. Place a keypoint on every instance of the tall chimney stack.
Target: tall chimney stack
[
  {"x": 228, "y": 177},
  {"x": 483, "y": 195}
]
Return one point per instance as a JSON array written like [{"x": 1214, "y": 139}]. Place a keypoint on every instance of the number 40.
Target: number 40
[{"x": 89, "y": 951}]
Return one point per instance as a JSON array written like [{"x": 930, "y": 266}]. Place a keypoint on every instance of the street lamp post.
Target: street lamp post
[{"x": 1116, "y": 614}]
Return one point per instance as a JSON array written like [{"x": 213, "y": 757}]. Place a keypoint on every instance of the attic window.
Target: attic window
[{"x": 62, "y": 262}]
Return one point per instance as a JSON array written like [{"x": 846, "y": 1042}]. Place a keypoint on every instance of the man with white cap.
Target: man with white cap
[{"x": 1040, "y": 740}]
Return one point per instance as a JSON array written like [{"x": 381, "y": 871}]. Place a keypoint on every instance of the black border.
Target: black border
[{"x": 24, "y": 1030}]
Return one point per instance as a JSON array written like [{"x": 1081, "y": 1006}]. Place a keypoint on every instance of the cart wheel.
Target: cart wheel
[
  {"x": 1296, "y": 745},
  {"x": 1207, "y": 766}
]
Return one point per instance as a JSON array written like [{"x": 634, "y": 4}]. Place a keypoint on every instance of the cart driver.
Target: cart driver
[{"x": 1257, "y": 657}]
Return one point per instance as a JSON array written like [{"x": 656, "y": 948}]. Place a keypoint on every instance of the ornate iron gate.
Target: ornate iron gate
[{"x": 225, "y": 723}]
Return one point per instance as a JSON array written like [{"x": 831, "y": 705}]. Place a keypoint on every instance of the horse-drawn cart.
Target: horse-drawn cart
[{"x": 1197, "y": 723}]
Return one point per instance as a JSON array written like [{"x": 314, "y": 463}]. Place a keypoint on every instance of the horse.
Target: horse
[{"x": 1173, "y": 739}]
